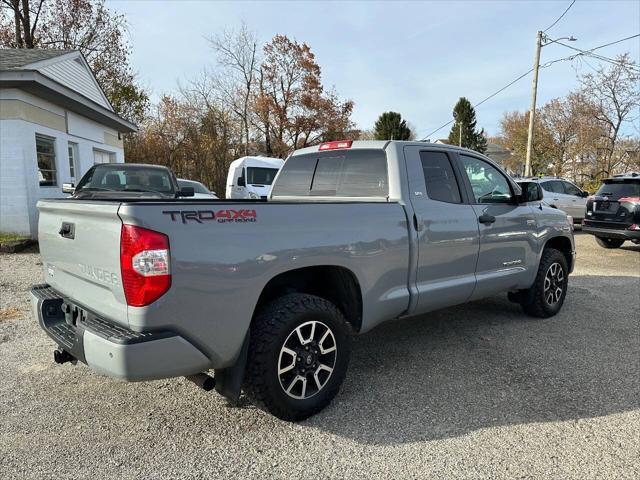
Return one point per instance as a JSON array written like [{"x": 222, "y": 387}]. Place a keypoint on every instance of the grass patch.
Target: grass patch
[{"x": 11, "y": 237}]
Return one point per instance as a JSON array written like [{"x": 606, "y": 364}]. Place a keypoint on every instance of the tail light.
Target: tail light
[
  {"x": 629, "y": 200},
  {"x": 144, "y": 264},
  {"x": 337, "y": 145},
  {"x": 634, "y": 227}
]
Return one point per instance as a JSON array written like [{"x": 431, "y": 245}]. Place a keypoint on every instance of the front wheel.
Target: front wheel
[
  {"x": 609, "y": 242},
  {"x": 546, "y": 296},
  {"x": 298, "y": 356}
]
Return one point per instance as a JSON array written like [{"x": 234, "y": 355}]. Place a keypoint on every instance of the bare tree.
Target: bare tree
[
  {"x": 237, "y": 52},
  {"x": 21, "y": 25},
  {"x": 616, "y": 96},
  {"x": 85, "y": 25}
]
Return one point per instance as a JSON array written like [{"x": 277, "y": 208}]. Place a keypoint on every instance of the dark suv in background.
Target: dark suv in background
[{"x": 613, "y": 212}]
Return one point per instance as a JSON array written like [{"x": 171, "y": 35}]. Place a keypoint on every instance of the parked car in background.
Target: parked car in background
[
  {"x": 562, "y": 194},
  {"x": 199, "y": 190},
  {"x": 252, "y": 177},
  {"x": 268, "y": 293},
  {"x": 127, "y": 180},
  {"x": 613, "y": 213}
]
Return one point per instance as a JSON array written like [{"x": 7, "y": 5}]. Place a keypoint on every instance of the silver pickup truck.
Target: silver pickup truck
[{"x": 267, "y": 293}]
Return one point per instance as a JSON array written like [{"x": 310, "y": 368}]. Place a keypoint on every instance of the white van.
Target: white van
[{"x": 251, "y": 177}]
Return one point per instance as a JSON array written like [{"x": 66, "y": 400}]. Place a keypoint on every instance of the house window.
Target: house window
[
  {"x": 100, "y": 156},
  {"x": 45, "y": 153},
  {"x": 73, "y": 160}
]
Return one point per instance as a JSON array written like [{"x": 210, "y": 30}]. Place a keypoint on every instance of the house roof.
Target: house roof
[
  {"x": 63, "y": 77},
  {"x": 18, "y": 58}
]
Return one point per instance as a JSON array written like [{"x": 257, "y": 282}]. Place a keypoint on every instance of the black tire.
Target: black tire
[
  {"x": 274, "y": 333},
  {"x": 535, "y": 300},
  {"x": 609, "y": 242}
]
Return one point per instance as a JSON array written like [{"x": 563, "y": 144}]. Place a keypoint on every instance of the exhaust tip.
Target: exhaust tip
[{"x": 202, "y": 380}]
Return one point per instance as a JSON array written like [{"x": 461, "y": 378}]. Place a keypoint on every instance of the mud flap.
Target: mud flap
[{"x": 229, "y": 380}]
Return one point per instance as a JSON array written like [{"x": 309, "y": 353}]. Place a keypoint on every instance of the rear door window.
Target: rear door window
[
  {"x": 553, "y": 186},
  {"x": 343, "y": 173},
  {"x": 571, "y": 189},
  {"x": 439, "y": 177}
]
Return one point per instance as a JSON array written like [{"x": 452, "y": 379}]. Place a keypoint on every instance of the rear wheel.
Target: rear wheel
[
  {"x": 298, "y": 355},
  {"x": 609, "y": 242},
  {"x": 546, "y": 296}
]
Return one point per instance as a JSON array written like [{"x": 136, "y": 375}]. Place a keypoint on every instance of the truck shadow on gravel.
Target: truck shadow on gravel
[{"x": 486, "y": 364}]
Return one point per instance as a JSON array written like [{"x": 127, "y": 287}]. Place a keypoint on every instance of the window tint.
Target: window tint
[
  {"x": 357, "y": 173},
  {"x": 45, "y": 153},
  {"x": 489, "y": 185},
  {"x": 620, "y": 189},
  {"x": 439, "y": 177},
  {"x": 571, "y": 189},
  {"x": 261, "y": 176},
  {"x": 127, "y": 179},
  {"x": 325, "y": 180},
  {"x": 295, "y": 177},
  {"x": 553, "y": 186}
]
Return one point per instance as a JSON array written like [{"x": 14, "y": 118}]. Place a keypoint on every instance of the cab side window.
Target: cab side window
[
  {"x": 489, "y": 185},
  {"x": 439, "y": 177}
]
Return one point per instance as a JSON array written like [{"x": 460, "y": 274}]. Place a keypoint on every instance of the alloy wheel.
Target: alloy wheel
[
  {"x": 553, "y": 284},
  {"x": 307, "y": 359}
]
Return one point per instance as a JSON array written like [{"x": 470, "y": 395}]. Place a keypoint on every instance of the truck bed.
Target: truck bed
[{"x": 223, "y": 253}]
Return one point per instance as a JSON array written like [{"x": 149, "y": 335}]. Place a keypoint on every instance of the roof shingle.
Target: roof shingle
[{"x": 17, "y": 58}]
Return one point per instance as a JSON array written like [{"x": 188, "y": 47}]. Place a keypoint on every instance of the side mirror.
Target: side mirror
[
  {"x": 241, "y": 182},
  {"x": 186, "y": 192},
  {"x": 69, "y": 188},
  {"x": 584, "y": 194},
  {"x": 531, "y": 192}
]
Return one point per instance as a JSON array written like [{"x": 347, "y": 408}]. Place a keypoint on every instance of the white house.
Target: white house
[{"x": 55, "y": 123}]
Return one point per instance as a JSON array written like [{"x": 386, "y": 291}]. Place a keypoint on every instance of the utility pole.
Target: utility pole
[
  {"x": 460, "y": 139},
  {"x": 532, "y": 111}
]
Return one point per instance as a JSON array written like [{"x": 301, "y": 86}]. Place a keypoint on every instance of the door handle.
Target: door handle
[
  {"x": 486, "y": 219},
  {"x": 417, "y": 222},
  {"x": 555, "y": 199}
]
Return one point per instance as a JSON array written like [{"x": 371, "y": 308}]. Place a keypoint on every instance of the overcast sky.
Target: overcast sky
[{"x": 416, "y": 58}]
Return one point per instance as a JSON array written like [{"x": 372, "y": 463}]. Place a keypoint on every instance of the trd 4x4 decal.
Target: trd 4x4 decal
[{"x": 220, "y": 216}]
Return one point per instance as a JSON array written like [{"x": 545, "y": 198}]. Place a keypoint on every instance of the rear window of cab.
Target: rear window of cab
[{"x": 342, "y": 173}]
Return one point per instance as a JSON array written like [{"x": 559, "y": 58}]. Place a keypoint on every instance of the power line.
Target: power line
[
  {"x": 613, "y": 43},
  {"x": 595, "y": 55},
  {"x": 580, "y": 53},
  {"x": 544, "y": 65},
  {"x": 560, "y": 17}
]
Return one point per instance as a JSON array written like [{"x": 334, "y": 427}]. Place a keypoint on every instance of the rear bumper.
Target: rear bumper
[
  {"x": 612, "y": 233},
  {"x": 111, "y": 349}
]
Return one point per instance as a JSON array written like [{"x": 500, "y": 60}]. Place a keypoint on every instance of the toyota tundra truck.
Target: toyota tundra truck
[{"x": 264, "y": 296}]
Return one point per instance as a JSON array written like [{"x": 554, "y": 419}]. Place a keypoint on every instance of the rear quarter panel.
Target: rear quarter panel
[{"x": 219, "y": 268}]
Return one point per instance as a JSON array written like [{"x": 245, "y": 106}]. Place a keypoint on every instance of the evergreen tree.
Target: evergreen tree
[
  {"x": 391, "y": 126},
  {"x": 465, "y": 117}
]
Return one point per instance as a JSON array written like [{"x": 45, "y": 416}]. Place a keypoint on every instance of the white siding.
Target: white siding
[
  {"x": 14, "y": 200},
  {"x": 19, "y": 186},
  {"x": 75, "y": 75}
]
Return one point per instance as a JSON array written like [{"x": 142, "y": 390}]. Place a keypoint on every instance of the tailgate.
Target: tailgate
[
  {"x": 80, "y": 248},
  {"x": 610, "y": 212}
]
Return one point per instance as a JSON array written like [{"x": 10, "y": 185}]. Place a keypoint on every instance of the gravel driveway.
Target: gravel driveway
[{"x": 475, "y": 391}]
